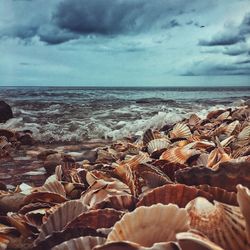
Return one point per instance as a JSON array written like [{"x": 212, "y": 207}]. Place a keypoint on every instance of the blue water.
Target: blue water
[{"x": 82, "y": 113}]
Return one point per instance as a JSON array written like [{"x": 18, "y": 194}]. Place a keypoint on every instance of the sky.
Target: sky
[{"x": 125, "y": 42}]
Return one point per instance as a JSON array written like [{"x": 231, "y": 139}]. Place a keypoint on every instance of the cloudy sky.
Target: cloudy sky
[{"x": 125, "y": 42}]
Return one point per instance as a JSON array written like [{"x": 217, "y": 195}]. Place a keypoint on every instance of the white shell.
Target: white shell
[
  {"x": 157, "y": 144},
  {"x": 148, "y": 225}
]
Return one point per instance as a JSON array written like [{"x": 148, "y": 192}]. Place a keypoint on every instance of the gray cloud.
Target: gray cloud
[
  {"x": 231, "y": 35},
  {"x": 65, "y": 20},
  {"x": 203, "y": 68}
]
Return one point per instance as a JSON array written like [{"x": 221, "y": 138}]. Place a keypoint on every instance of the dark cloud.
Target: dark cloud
[
  {"x": 203, "y": 68},
  {"x": 64, "y": 20},
  {"x": 230, "y": 36}
]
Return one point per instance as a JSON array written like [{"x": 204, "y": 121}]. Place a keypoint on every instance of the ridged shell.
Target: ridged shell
[
  {"x": 53, "y": 187},
  {"x": 148, "y": 136},
  {"x": 157, "y": 144},
  {"x": 217, "y": 156},
  {"x": 61, "y": 217},
  {"x": 179, "y": 155},
  {"x": 4, "y": 241},
  {"x": 223, "y": 116},
  {"x": 178, "y": 194},
  {"x": 244, "y": 134},
  {"x": 223, "y": 224},
  {"x": 243, "y": 197},
  {"x": 140, "y": 227},
  {"x": 169, "y": 168},
  {"x": 118, "y": 202},
  {"x": 127, "y": 245},
  {"x": 227, "y": 176},
  {"x": 180, "y": 130},
  {"x": 194, "y": 120},
  {"x": 45, "y": 197},
  {"x": 101, "y": 218},
  {"x": 81, "y": 243},
  {"x": 220, "y": 194},
  {"x": 230, "y": 128},
  {"x": 193, "y": 241}
]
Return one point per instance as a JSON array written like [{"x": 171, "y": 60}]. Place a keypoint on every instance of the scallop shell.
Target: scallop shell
[
  {"x": 101, "y": 218},
  {"x": 148, "y": 136},
  {"x": 244, "y": 134},
  {"x": 194, "y": 120},
  {"x": 4, "y": 241},
  {"x": 217, "y": 156},
  {"x": 178, "y": 194},
  {"x": 179, "y": 155},
  {"x": 180, "y": 130},
  {"x": 45, "y": 197},
  {"x": 220, "y": 194},
  {"x": 127, "y": 245},
  {"x": 53, "y": 187},
  {"x": 169, "y": 168},
  {"x": 81, "y": 243},
  {"x": 61, "y": 217},
  {"x": 193, "y": 241},
  {"x": 140, "y": 227},
  {"x": 223, "y": 116},
  {"x": 157, "y": 144},
  {"x": 221, "y": 223},
  {"x": 226, "y": 176},
  {"x": 243, "y": 197},
  {"x": 118, "y": 202}
]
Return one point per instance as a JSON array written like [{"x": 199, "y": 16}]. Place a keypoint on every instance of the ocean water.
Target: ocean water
[{"x": 77, "y": 114}]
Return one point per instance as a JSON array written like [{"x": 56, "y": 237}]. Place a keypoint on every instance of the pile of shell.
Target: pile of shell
[{"x": 184, "y": 187}]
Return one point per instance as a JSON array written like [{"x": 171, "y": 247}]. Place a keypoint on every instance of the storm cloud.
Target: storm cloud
[{"x": 231, "y": 35}]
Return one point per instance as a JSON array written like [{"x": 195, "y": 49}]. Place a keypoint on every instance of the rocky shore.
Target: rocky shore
[{"x": 185, "y": 186}]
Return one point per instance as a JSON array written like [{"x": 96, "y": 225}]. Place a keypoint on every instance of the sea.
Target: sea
[{"x": 78, "y": 114}]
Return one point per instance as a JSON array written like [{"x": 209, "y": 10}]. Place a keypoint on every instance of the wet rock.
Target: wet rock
[
  {"x": 7, "y": 133},
  {"x": 90, "y": 155},
  {"x": 3, "y": 186},
  {"x": 5, "y": 112},
  {"x": 43, "y": 155},
  {"x": 51, "y": 162},
  {"x": 25, "y": 137}
]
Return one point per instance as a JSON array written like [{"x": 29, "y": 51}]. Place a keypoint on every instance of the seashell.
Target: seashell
[
  {"x": 244, "y": 134},
  {"x": 139, "y": 225},
  {"x": 45, "y": 197},
  {"x": 180, "y": 130},
  {"x": 157, "y": 144},
  {"x": 178, "y": 194},
  {"x": 81, "y": 243},
  {"x": 217, "y": 156},
  {"x": 221, "y": 223},
  {"x": 194, "y": 120},
  {"x": 101, "y": 218},
  {"x": 53, "y": 187},
  {"x": 153, "y": 180},
  {"x": 202, "y": 160},
  {"x": 127, "y": 245},
  {"x": 243, "y": 197},
  {"x": 118, "y": 202},
  {"x": 179, "y": 155},
  {"x": 226, "y": 176},
  {"x": 60, "y": 218},
  {"x": 4, "y": 241},
  {"x": 227, "y": 141},
  {"x": 102, "y": 189},
  {"x": 193, "y": 241},
  {"x": 148, "y": 136},
  {"x": 59, "y": 237},
  {"x": 223, "y": 116},
  {"x": 213, "y": 114},
  {"x": 169, "y": 168},
  {"x": 220, "y": 194}
]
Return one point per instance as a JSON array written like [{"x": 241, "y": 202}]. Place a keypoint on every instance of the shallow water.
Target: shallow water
[{"x": 76, "y": 114}]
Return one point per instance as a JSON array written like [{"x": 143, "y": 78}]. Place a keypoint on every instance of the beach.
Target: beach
[{"x": 141, "y": 156}]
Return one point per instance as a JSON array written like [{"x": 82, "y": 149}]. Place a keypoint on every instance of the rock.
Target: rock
[
  {"x": 90, "y": 155},
  {"x": 247, "y": 102},
  {"x": 25, "y": 138},
  {"x": 51, "y": 162},
  {"x": 5, "y": 112},
  {"x": 7, "y": 133},
  {"x": 43, "y": 155}
]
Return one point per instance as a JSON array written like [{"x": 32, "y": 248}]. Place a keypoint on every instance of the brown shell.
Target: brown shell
[
  {"x": 243, "y": 197},
  {"x": 178, "y": 194},
  {"x": 101, "y": 218},
  {"x": 221, "y": 223},
  {"x": 220, "y": 194},
  {"x": 169, "y": 168},
  {"x": 45, "y": 197},
  {"x": 53, "y": 187},
  {"x": 118, "y": 202},
  {"x": 81, "y": 243},
  {"x": 180, "y": 130},
  {"x": 227, "y": 176},
  {"x": 61, "y": 217}
]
